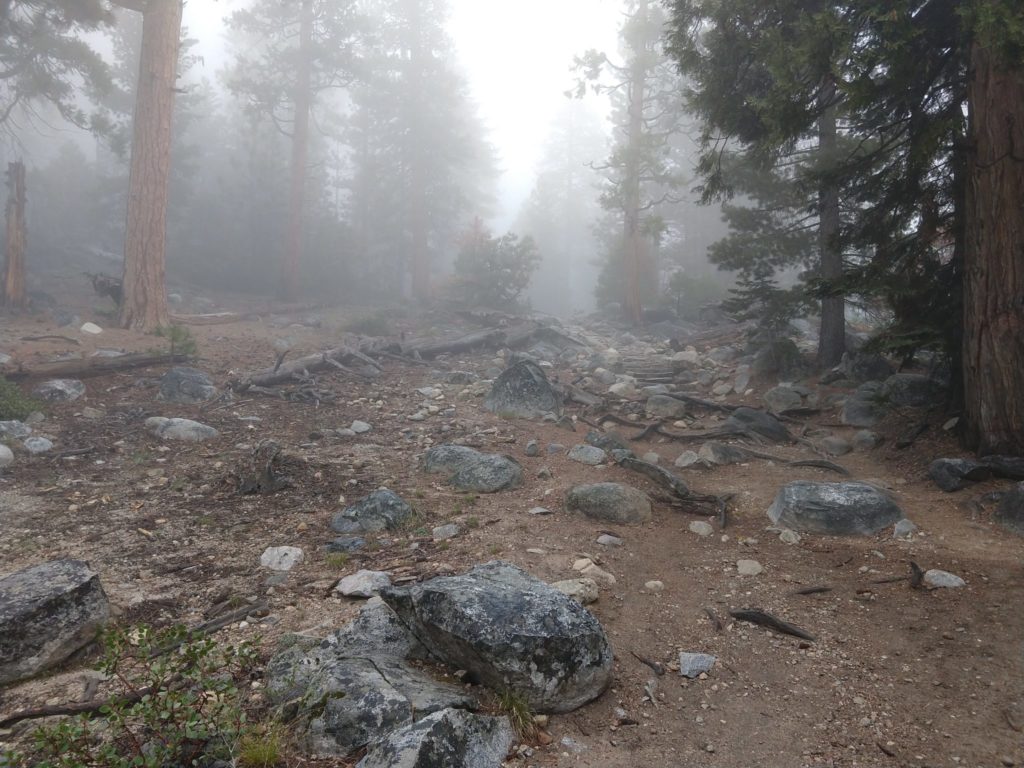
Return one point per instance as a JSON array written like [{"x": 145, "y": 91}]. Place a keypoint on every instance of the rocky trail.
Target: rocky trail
[{"x": 778, "y": 567}]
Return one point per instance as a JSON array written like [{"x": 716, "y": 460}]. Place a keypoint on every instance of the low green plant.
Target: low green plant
[
  {"x": 261, "y": 747},
  {"x": 336, "y": 560},
  {"x": 177, "y": 704},
  {"x": 15, "y": 404},
  {"x": 472, "y": 522},
  {"x": 514, "y": 706},
  {"x": 180, "y": 338}
]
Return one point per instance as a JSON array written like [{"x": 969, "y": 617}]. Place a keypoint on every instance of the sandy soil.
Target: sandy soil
[{"x": 896, "y": 677}]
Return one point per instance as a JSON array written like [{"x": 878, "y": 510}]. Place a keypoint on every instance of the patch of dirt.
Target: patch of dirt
[{"x": 896, "y": 677}]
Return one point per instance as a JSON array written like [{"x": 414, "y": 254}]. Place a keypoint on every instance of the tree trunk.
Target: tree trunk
[
  {"x": 994, "y": 257},
  {"x": 302, "y": 98},
  {"x": 420, "y": 256},
  {"x": 633, "y": 236},
  {"x": 144, "y": 298},
  {"x": 832, "y": 337},
  {"x": 14, "y": 264}
]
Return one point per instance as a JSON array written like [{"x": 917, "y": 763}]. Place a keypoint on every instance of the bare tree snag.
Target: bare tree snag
[
  {"x": 633, "y": 245},
  {"x": 832, "y": 339},
  {"x": 302, "y": 99},
  {"x": 993, "y": 348},
  {"x": 144, "y": 302},
  {"x": 14, "y": 262}
]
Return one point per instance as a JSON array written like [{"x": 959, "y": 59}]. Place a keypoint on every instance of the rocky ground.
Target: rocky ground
[{"x": 894, "y": 676}]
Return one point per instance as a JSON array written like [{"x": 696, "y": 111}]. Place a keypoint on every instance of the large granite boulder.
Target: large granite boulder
[
  {"x": 523, "y": 390},
  {"x": 470, "y": 470},
  {"x": 513, "y": 632},
  {"x": 764, "y": 424},
  {"x": 610, "y": 502},
  {"x": 665, "y": 407},
  {"x": 451, "y": 738},
  {"x": 382, "y": 510},
  {"x": 865, "y": 407},
  {"x": 47, "y": 612},
  {"x": 1010, "y": 512},
  {"x": 186, "y": 385},
  {"x": 781, "y": 399},
  {"x": 836, "y": 509}
]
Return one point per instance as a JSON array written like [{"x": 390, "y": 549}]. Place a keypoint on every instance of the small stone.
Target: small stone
[
  {"x": 943, "y": 579},
  {"x": 91, "y": 328},
  {"x": 607, "y": 540},
  {"x": 60, "y": 390},
  {"x": 687, "y": 459},
  {"x": 904, "y": 529},
  {"x": 866, "y": 440},
  {"x": 532, "y": 449},
  {"x": 37, "y": 445},
  {"x": 360, "y": 427},
  {"x": 951, "y": 424},
  {"x": 625, "y": 389},
  {"x": 654, "y": 586},
  {"x": 702, "y": 528},
  {"x": 448, "y": 531},
  {"x": 587, "y": 454},
  {"x": 583, "y": 590},
  {"x": 836, "y": 446},
  {"x": 281, "y": 558},
  {"x": 539, "y": 511},
  {"x": 789, "y": 537},
  {"x": 722, "y": 389},
  {"x": 555, "y": 448},
  {"x": 363, "y": 584},
  {"x": 92, "y": 414},
  {"x": 749, "y": 567},
  {"x": 597, "y": 574},
  {"x": 651, "y": 457},
  {"x": 6, "y": 456},
  {"x": 346, "y": 544},
  {"x": 693, "y": 665}
]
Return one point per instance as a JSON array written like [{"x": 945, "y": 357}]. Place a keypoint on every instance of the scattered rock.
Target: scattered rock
[
  {"x": 60, "y": 390},
  {"x": 652, "y": 457},
  {"x": 47, "y": 612},
  {"x": 582, "y": 590},
  {"x": 624, "y": 389},
  {"x": 610, "y": 502},
  {"x": 693, "y": 665},
  {"x": 451, "y": 738},
  {"x": 911, "y": 389},
  {"x": 180, "y": 429},
  {"x": 781, "y": 399},
  {"x": 721, "y": 454},
  {"x": 607, "y": 540},
  {"x": 15, "y": 429},
  {"x": 687, "y": 459},
  {"x": 943, "y": 579},
  {"x": 606, "y": 441},
  {"x": 91, "y": 328},
  {"x": 470, "y": 470},
  {"x": 513, "y": 631},
  {"x": 539, "y": 511},
  {"x": 953, "y": 474},
  {"x": 587, "y": 454},
  {"x": 787, "y": 536},
  {"x": 6, "y": 456},
  {"x": 446, "y": 531},
  {"x": 865, "y": 366},
  {"x": 654, "y": 586},
  {"x": 764, "y": 424},
  {"x": 702, "y": 528},
  {"x": 381, "y": 510},
  {"x": 833, "y": 508},
  {"x": 360, "y": 427},
  {"x": 749, "y": 568},
  {"x": 836, "y": 446},
  {"x": 866, "y": 440},
  {"x": 665, "y": 407},
  {"x": 523, "y": 390},
  {"x": 363, "y": 583},
  {"x": 532, "y": 449},
  {"x": 742, "y": 381},
  {"x": 1010, "y": 512},
  {"x": 904, "y": 529},
  {"x": 281, "y": 558},
  {"x": 186, "y": 385},
  {"x": 347, "y": 544},
  {"x": 92, "y": 414},
  {"x": 37, "y": 445},
  {"x": 865, "y": 407}
]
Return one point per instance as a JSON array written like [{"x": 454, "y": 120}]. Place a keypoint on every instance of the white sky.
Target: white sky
[{"x": 517, "y": 55}]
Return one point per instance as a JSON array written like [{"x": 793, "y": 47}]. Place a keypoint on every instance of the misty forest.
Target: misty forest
[{"x": 463, "y": 384}]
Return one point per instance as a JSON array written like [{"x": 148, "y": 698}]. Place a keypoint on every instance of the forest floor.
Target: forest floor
[{"x": 896, "y": 676}]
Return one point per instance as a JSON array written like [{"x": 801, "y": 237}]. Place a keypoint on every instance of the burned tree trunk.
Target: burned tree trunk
[
  {"x": 144, "y": 303},
  {"x": 993, "y": 348},
  {"x": 14, "y": 264}
]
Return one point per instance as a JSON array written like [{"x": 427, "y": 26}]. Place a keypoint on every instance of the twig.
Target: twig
[
  {"x": 51, "y": 337},
  {"x": 715, "y": 621},
  {"x": 658, "y": 668},
  {"x": 811, "y": 590},
  {"x": 772, "y": 622}
]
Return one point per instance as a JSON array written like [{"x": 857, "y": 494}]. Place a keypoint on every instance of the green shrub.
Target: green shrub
[
  {"x": 15, "y": 404},
  {"x": 177, "y": 703},
  {"x": 493, "y": 271},
  {"x": 181, "y": 339}
]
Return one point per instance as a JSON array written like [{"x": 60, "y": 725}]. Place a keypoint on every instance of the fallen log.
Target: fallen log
[
  {"x": 212, "y": 318},
  {"x": 92, "y": 366},
  {"x": 301, "y": 368}
]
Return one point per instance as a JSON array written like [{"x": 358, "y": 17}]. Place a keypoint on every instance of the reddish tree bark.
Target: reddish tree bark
[
  {"x": 994, "y": 257},
  {"x": 14, "y": 261}
]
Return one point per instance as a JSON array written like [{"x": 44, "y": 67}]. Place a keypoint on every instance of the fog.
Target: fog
[{"x": 406, "y": 167}]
